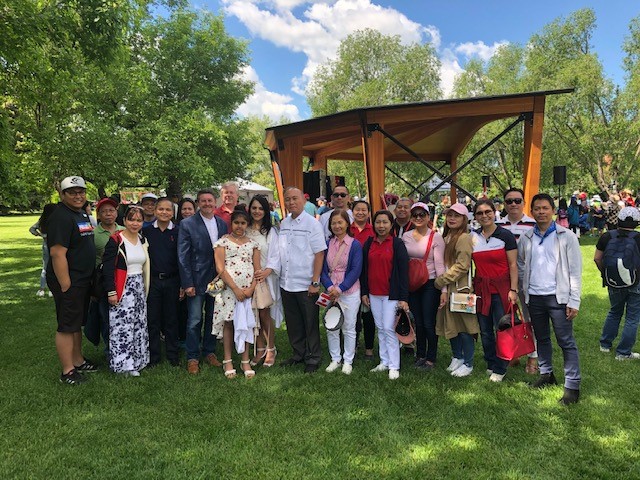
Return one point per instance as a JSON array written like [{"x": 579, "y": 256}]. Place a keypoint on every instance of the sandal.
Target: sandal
[
  {"x": 532, "y": 366},
  {"x": 273, "y": 360},
  {"x": 228, "y": 373},
  {"x": 247, "y": 373},
  {"x": 257, "y": 360}
]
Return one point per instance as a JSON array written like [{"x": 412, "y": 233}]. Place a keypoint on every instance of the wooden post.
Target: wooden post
[
  {"x": 290, "y": 162},
  {"x": 533, "y": 152},
  {"x": 373, "y": 148}
]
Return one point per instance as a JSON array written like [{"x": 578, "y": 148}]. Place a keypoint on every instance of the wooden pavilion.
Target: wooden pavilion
[{"x": 434, "y": 133}]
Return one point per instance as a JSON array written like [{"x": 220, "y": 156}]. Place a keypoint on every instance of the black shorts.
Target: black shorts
[{"x": 72, "y": 306}]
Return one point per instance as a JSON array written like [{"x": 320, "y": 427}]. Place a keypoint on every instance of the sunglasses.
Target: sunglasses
[
  {"x": 483, "y": 213},
  {"x": 341, "y": 195},
  {"x": 511, "y": 201},
  {"x": 419, "y": 214}
]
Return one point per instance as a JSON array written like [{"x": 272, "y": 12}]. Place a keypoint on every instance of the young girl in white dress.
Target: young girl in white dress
[{"x": 237, "y": 259}]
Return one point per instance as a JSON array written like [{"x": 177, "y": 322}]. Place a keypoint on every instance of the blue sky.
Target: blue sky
[{"x": 290, "y": 38}]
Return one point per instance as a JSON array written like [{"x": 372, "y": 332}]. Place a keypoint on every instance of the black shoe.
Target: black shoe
[
  {"x": 73, "y": 378},
  {"x": 544, "y": 380},
  {"x": 570, "y": 396},
  {"x": 420, "y": 362},
  {"x": 311, "y": 368},
  {"x": 290, "y": 362},
  {"x": 86, "y": 367},
  {"x": 151, "y": 365},
  {"x": 426, "y": 367},
  {"x": 409, "y": 351}
]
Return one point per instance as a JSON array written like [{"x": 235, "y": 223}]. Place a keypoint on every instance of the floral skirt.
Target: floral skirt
[{"x": 128, "y": 334}]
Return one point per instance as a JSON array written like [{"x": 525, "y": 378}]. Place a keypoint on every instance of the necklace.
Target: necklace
[{"x": 236, "y": 236}]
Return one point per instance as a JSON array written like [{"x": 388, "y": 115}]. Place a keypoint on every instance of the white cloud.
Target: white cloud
[
  {"x": 263, "y": 102},
  {"x": 479, "y": 49},
  {"x": 318, "y": 27}
]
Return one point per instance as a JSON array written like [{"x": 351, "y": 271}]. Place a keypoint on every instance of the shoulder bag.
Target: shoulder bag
[{"x": 418, "y": 271}]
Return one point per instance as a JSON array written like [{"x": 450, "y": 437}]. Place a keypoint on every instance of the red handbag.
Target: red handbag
[
  {"x": 517, "y": 340},
  {"x": 418, "y": 272}
]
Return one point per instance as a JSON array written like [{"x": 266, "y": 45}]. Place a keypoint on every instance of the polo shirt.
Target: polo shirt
[
  {"x": 519, "y": 227},
  {"x": 163, "y": 248},
  {"x": 225, "y": 215},
  {"x": 100, "y": 239},
  {"x": 361, "y": 235},
  {"x": 380, "y": 263},
  {"x": 73, "y": 230},
  {"x": 490, "y": 254},
  {"x": 299, "y": 240}
]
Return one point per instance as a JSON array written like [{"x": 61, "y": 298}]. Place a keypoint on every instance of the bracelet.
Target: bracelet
[{"x": 513, "y": 290}]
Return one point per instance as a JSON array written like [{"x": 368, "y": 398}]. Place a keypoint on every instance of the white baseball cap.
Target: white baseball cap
[
  {"x": 149, "y": 195},
  {"x": 71, "y": 182},
  {"x": 629, "y": 214}
]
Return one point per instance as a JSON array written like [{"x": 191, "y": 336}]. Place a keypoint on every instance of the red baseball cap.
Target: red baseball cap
[{"x": 106, "y": 201}]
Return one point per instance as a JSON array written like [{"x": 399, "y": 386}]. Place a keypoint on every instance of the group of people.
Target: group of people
[{"x": 362, "y": 261}]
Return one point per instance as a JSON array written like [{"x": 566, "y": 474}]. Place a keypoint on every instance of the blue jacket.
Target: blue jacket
[
  {"x": 354, "y": 268},
  {"x": 195, "y": 253}
]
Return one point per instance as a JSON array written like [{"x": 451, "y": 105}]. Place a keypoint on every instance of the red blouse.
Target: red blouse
[{"x": 380, "y": 265}]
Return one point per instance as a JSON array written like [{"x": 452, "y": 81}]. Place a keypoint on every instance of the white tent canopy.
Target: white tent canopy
[{"x": 247, "y": 189}]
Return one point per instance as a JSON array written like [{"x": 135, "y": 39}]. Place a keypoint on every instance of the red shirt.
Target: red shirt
[
  {"x": 224, "y": 214},
  {"x": 361, "y": 236},
  {"x": 380, "y": 263}
]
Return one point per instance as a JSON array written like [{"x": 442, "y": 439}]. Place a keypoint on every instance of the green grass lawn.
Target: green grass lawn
[{"x": 284, "y": 424}]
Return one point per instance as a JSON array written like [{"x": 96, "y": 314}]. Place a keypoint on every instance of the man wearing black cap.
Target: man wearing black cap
[
  {"x": 69, "y": 274},
  {"x": 620, "y": 275}
]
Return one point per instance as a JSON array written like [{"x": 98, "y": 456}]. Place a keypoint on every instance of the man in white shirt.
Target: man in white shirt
[
  {"x": 518, "y": 223},
  {"x": 550, "y": 271},
  {"x": 340, "y": 199},
  {"x": 301, "y": 245}
]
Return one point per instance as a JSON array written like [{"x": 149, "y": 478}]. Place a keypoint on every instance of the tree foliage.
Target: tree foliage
[{"x": 111, "y": 90}]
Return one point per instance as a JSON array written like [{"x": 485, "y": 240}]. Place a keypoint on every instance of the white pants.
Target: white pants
[
  {"x": 350, "y": 305},
  {"x": 384, "y": 316}
]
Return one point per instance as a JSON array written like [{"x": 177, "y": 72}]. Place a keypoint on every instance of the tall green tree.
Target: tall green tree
[{"x": 374, "y": 69}]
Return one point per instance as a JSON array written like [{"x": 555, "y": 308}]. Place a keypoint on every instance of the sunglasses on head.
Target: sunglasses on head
[
  {"x": 420, "y": 214},
  {"x": 341, "y": 195},
  {"x": 511, "y": 201}
]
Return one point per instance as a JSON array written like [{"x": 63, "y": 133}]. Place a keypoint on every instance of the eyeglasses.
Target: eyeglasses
[
  {"x": 75, "y": 193},
  {"x": 484, "y": 213},
  {"x": 419, "y": 214},
  {"x": 341, "y": 195},
  {"x": 511, "y": 201}
]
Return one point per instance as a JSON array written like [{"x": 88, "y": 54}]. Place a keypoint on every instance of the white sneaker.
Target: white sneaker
[
  {"x": 333, "y": 366},
  {"x": 40, "y": 293},
  {"x": 605, "y": 350},
  {"x": 380, "y": 368},
  {"x": 455, "y": 364},
  {"x": 394, "y": 374},
  {"x": 496, "y": 377},
  {"x": 50, "y": 294},
  {"x": 462, "y": 371},
  {"x": 346, "y": 369},
  {"x": 489, "y": 372},
  {"x": 631, "y": 356},
  {"x": 134, "y": 373}
]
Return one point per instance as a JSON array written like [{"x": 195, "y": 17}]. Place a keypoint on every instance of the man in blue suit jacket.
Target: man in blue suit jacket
[{"x": 196, "y": 237}]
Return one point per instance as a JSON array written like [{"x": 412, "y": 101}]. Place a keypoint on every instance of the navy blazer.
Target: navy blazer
[{"x": 195, "y": 252}]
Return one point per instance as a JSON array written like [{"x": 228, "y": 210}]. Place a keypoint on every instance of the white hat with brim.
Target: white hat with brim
[{"x": 72, "y": 182}]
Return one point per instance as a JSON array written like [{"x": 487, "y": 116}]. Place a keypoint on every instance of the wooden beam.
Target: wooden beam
[
  {"x": 319, "y": 162},
  {"x": 290, "y": 161},
  {"x": 420, "y": 132},
  {"x": 533, "y": 152},
  {"x": 277, "y": 175}
]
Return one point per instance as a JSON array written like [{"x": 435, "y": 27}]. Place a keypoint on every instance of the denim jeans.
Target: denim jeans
[
  {"x": 424, "y": 306},
  {"x": 542, "y": 309},
  {"x": 488, "y": 327},
  {"x": 463, "y": 347},
  {"x": 45, "y": 262},
  {"x": 194, "y": 327},
  {"x": 619, "y": 299}
]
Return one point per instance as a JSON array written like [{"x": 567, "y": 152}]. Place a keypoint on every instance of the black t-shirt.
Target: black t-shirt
[
  {"x": 604, "y": 239},
  {"x": 73, "y": 230}
]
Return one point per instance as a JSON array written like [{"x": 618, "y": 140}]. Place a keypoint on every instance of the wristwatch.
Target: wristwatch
[{"x": 315, "y": 284}]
